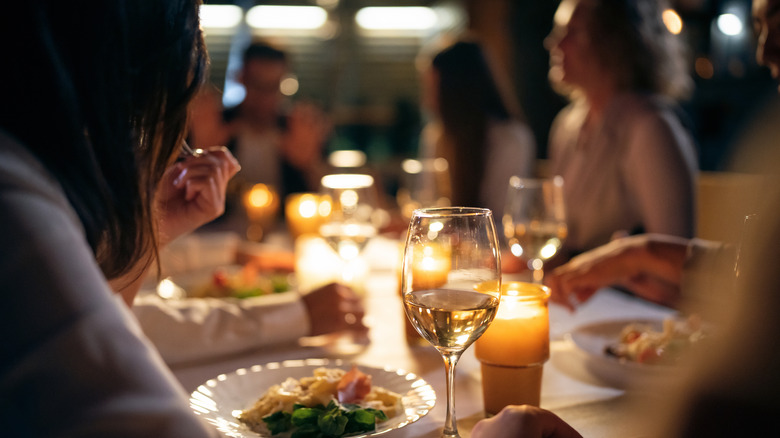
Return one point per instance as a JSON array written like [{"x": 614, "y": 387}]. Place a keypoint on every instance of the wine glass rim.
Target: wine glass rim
[
  {"x": 452, "y": 211},
  {"x": 518, "y": 182}
]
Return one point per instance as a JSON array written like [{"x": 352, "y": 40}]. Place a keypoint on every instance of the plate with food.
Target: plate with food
[
  {"x": 229, "y": 281},
  {"x": 327, "y": 396},
  {"x": 622, "y": 352}
]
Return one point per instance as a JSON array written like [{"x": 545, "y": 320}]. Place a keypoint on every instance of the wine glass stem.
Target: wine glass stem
[{"x": 450, "y": 424}]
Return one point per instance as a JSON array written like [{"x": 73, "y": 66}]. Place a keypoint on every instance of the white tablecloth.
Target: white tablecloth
[{"x": 590, "y": 404}]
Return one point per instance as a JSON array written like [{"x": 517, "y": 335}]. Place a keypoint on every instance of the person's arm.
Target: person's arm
[
  {"x": 191, "y": 193},
  {"x": 651, "y": 265},
  {"x": 524, "y": 422},
  {"x": 191, "y": 329}
]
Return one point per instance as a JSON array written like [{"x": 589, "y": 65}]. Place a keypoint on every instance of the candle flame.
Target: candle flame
[
  {"x": 308, "y": 206},
  {"x": 260, "y": 196}
]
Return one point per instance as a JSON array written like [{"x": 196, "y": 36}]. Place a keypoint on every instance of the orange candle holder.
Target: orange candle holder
[{"x": 513, "y": 350}]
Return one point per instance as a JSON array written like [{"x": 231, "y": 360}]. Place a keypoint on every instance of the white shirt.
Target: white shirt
[{"x": 637, "y": 168}]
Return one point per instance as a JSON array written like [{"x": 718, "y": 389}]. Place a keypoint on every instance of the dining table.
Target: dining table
[{"x": 572, "y": 387}]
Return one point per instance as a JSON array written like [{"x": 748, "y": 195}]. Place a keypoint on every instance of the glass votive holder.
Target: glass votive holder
[{"x": 513, "y": 350}]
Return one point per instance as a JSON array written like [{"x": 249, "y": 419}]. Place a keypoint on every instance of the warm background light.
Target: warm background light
[
  {"x": 672, "y": 21},
  {"x": 220, "y": 16},
  {"x": 730, "y": 24},
  {"x": 286, "y": 17},
  {"x": 396, "y": 18},
  {"x": 289, "y": 85}
]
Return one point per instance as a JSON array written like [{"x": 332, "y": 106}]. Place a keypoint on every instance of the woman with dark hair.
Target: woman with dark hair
[
  {"x": 476, "y": 127},
  {"x": 628, "y": 161},
  {"x": 93, "y": 117}
]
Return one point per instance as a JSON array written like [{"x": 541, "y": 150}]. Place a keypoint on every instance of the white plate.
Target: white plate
[
  {"x": 221, "y": 399},
  {"x": 592, "y": 340}
]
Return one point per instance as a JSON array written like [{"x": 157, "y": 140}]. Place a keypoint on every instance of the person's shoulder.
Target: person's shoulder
[
  {"x": 510, "y": 130},
  {"x": 642, "y": 106},
  {"x": 22, "y": 172},
  {"x": 19, "y": 166}
]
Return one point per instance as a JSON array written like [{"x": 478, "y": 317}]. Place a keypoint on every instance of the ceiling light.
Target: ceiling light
[
  {"x": 286, "y": 17},
  {"x": 396, "y": 18},
  {"x": 220, "y": 16},
  {"x": 730, "y": 24}
]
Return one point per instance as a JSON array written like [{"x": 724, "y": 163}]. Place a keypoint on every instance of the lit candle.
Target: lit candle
[
  {"x": 515, "y": 347},
  {"x": 261, "y": 204},
  {"x": 431, "y": 269},
  {"x": 305, "y": 212}
]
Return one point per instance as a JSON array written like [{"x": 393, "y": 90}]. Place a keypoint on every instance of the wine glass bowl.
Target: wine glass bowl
[
  {"x": 352, "y": 220},
  {"x": 534, "y": 220},
  {"x": 451, "y": 283}
]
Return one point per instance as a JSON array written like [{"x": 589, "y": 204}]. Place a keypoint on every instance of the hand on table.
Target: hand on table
[
  {"x": 192, "y": 192},
  {"x": 523, "y": 421},
  {"x": 649, "y": 265},
  {"x": 334, "y": 308}
]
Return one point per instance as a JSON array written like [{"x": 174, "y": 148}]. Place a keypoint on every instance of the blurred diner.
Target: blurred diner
[
  {"x": 475, "y": 125},
  {"x": 726, "y": 390},
  {"x": 279, "y": 142},
  {"x": 622, "y": 145}
]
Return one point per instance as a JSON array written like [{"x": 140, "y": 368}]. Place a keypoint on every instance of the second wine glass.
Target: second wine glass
[
  {"x": 535, "y": 220},
  {"x": 451, "y": 283},
  {"x": 351, "y": 223}
]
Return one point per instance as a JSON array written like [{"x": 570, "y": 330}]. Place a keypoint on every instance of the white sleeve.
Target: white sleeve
[{"x": 191, "y": 329}]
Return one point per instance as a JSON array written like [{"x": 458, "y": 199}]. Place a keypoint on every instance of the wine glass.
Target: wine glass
[
  {"x": 535, "y": 220},
  {"x": 352, "y": 221},
  {"x": 424, "y": 183},
  {"x": 451, "y": 283}
]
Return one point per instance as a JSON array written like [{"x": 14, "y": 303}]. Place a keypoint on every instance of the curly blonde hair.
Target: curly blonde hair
[{"x": 635, "y": 44}]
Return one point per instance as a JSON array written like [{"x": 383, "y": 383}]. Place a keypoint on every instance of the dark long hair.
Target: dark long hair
[
  {"x": 98, "y": 91},
  {"x": 468, "y": 98}
]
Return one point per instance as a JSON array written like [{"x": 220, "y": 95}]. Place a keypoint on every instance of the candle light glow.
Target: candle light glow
[
  {"x": 513, "y": 350},
  {"x": 305, "y": 212}
]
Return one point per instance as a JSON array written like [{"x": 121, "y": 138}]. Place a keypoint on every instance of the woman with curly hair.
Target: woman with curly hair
[{"x": 628, "y": 162}]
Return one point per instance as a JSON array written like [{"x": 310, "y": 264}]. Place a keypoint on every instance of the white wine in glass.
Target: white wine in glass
[
  {"x": 535, "y": 220},
  {"x": 451, "y": 283}
]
